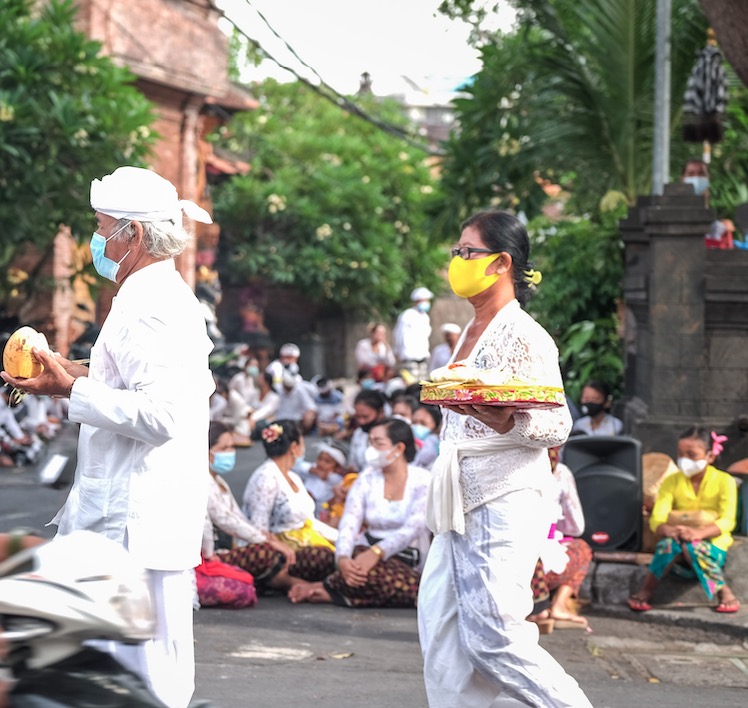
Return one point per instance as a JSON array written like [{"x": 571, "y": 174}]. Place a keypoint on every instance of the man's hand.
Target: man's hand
[{"x": 53, "y": 381}]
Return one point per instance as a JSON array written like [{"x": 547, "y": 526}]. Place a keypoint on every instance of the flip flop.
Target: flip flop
[
  {"x": 728, "y": 606},
  {"x": 638, "y": 605}
]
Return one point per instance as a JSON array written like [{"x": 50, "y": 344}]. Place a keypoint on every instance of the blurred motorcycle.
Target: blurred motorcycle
[{"x": 54, "y": 598}]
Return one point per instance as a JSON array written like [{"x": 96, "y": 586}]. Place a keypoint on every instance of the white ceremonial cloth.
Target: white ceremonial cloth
[
  {"x": 142, "y": 195},
  {"x": 444, "y": 511}
]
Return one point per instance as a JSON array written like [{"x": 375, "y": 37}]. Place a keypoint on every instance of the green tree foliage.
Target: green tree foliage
[
  {"x": 568, "y": 97},
  {"x": 729, "y": 167},
  {"x": 67, "y": 115},
  {"x": 332, "y": 205},
  {"x": 582, "y": 264}
]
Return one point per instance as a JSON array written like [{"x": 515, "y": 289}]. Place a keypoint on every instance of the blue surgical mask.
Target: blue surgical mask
[
  {"x": 253, "y": 371},
  {"x": 223, "y": 462},
  {"x": 367, "y": 383},
  {"x": 105, "y": 267},
  {"x": 423, "y": 306},
  {"x": 700, "y": 184},
  {"x": 420, "y": 431}
]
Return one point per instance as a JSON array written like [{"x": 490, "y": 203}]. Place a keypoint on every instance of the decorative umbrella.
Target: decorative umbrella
[{"x": 705, "y": 97}]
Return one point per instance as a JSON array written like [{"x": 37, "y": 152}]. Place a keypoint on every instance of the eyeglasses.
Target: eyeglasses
[{"x": 465, "y": 252}]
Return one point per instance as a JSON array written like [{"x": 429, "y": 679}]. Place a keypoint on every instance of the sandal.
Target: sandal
[
  {"x": 638, "y": 605},
  {"x": 728, "y": 606}
]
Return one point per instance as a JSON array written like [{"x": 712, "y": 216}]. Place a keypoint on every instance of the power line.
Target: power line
[{"x": 326, "y": 91}]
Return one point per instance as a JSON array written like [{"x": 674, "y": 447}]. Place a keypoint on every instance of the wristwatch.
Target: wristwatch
[{"x": 378, "y": 551}]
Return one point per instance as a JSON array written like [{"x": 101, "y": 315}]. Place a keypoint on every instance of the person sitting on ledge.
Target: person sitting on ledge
[{"x": 693, "y": 518}]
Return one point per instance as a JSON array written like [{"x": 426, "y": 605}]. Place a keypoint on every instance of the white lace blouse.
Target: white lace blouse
[
  {"x": 399, "y": 524},
  {"x": 517, "y": 344},
  {"x": 224, "y": 512},
  {"x": 271, "y": 503}
]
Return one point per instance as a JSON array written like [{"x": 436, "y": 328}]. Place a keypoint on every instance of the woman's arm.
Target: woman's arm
[
  {"x": 353, "y": 517},
  {"x": 225, "y": 513}
]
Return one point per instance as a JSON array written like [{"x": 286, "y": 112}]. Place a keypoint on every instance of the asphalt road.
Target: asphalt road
[{"x": 278, "y": 654}]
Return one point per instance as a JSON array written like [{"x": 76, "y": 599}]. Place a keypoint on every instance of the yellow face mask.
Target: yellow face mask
[{"x": 468, "y": 278}]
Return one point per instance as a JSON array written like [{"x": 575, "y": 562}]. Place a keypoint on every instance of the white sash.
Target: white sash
[{"x": 444, "y": 511}]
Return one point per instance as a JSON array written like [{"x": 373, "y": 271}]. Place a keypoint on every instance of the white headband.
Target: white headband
[
  {"x": 336, "y": 453},
  {"x": 142, "y": 195}
]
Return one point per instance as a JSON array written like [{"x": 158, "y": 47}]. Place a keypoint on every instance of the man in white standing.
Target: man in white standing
[
  {"x": 143, "y": 408},
  {"x": 410, "y": 337}
]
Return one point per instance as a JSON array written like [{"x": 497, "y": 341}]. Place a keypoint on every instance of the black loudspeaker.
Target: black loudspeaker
[{"x": 608, "y": 473}]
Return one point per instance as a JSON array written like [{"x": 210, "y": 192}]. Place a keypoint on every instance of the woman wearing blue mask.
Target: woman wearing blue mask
[
  {"x": 427, "y": 422},
  {"x": 264, "y": 555},
  {"x": 693, "y": 518}
]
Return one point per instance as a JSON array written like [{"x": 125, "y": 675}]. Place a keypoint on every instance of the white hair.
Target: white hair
[{"x": 162, "y": 239}]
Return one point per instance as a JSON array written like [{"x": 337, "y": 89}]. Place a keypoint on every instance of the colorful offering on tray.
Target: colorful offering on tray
[{"x": 458, "y": 383}]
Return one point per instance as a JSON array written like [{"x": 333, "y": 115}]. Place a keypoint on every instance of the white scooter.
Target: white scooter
[{"x": 54, "y": 598}]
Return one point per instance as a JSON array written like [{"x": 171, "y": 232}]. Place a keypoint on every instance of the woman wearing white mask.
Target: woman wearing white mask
[
  {"x": 693, "y": 517},
  {"x": 382, "y": 567}
]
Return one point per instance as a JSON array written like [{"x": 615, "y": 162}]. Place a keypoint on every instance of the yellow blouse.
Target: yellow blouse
[{"x": 717, "y": 492}]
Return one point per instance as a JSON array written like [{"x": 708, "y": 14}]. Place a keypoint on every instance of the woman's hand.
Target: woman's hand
[
  {"x": 667, "y": 531},
  {"x": 352, "y": 570},
  {"x": 288, "y": 552},
  {"x": 498, "y": 418}
]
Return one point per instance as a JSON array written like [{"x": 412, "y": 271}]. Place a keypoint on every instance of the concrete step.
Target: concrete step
[{"x": 611, "y": 583}]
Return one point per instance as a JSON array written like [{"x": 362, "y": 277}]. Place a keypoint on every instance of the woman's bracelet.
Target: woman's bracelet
[{"x": 377, "y": 551}]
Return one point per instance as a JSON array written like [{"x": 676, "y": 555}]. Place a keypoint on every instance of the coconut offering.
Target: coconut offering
[{"x": 17, "y": 358}]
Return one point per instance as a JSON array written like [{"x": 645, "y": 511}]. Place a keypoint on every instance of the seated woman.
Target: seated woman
[
  {"x": 426, "y": 424},
  {"x": 275, "y": 498},
  {"x": 595, "y": 404},
  {"x": 556, "y": 586},
  {"x": 693, "y": 518},
  {"x": 271, "y": 561},
  {"x": 381, "y": 567}
]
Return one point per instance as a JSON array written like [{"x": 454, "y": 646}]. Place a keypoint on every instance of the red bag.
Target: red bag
[{"x": 222, "y": 585}]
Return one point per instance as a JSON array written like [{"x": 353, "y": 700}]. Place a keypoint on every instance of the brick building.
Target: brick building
[{"x": 179, "y": 55}]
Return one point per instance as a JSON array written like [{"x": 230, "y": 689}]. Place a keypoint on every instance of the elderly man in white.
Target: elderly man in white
[
  {"x": 410, "y": 336},
  {"x": 140, "y": 478}
]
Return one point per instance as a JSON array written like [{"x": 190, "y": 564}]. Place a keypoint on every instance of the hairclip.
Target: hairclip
[
  {"x": 717, "y": 441},
  {"x": 533, "y": 277}
]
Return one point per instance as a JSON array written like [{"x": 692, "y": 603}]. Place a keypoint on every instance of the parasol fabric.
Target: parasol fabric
[{"x": 705, "y": 98}]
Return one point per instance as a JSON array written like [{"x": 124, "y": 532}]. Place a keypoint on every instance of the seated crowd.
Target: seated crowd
[{"x": 347, "y": 523}]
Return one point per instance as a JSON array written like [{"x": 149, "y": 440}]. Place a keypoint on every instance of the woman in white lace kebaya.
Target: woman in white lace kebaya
[
  {"x": 275, "y": 498},
  {"x": 383, "y": 539},
  {"x": 486, "y": 500}
]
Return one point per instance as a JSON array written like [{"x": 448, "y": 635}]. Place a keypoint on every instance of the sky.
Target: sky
[{"x": 341, "y": 39}]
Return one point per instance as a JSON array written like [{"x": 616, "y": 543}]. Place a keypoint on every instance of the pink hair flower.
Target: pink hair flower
[{"x": 717, "y": 441}]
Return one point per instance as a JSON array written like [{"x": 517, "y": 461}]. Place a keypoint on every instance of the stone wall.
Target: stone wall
[{"x": 687, "y": 356}]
